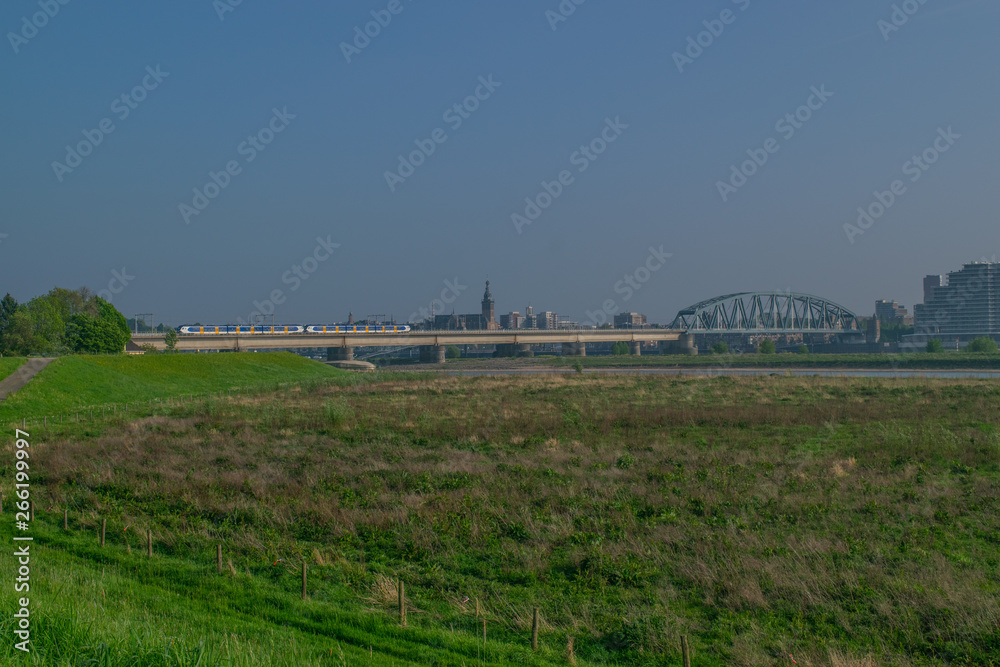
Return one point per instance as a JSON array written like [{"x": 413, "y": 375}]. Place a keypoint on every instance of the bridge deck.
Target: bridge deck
[{"x": 532, "y": 337}]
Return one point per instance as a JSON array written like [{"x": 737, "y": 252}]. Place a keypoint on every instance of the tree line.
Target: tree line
[{"x": 61, "y": 322}]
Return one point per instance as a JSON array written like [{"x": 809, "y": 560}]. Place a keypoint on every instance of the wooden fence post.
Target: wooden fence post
[
  {"x": 218, "y": 556},
  {"x": 685, "y": 651},
  {"x": 65, "y": 519},
  {"x": 104, "y": 526},
  {"x": 534, "y": 630},
  {"x": 402, "y": 603},
  {"x": 303, "y": 580},
  {"x": 484, "y": 632},
  {"x": 31, "y": 510}
]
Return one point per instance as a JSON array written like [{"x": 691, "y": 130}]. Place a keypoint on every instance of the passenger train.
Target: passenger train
[{"x": 295, "y": 329}]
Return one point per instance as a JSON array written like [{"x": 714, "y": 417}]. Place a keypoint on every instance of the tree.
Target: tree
[
  {"x": 803, "y": 349},
  {"x": 934, "y": 345},
  {"x": 721, "y": 347},
  {"x": 983, "y": 345},
  {"x": 452, "y": 352},
  {"x": 8, "y": 306},
  {"x": 766, "y": 347},
  {"x": 47, "y": 320},
  {"x": 19, "y": 336},
  {"x": 107, "y": 333},
  {"x": 170, "y": 338},
  {"x": 620, "y": 349}
]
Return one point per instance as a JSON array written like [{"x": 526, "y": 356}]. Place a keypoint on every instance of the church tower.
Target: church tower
[{"x": 488, "y": 306}]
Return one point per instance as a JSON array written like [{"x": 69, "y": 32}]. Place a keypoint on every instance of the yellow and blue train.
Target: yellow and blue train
[{"x": 294, "y": 329}]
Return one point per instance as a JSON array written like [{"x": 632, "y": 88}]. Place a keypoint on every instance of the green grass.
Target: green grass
[
  {"x": 848, "y": 522},
  {"x": 69, "y": 383},
  {"x": 10, "y": 364},
  {"x": 918, "y": 361},
  {"x": 116, "y": 606}
]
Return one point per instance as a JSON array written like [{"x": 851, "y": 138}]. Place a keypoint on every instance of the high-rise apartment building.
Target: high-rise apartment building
[{"x": 964, "y": 302}]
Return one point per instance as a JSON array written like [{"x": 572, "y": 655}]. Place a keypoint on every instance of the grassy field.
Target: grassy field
[
  {"x": 846, "y": 522},
  {"x": 10, "y": 364},
  {"x": 72, "y": 382},
  {"x": 918, "y": 361}
]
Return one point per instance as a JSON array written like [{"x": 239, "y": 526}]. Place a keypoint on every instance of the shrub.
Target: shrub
[
  {"x": 721, "y": 347},
  {"x": 766, "y": 347},
  {"x": 935, "y": 345},
  {"x": 452, "y": 352},
  {"x": 620, "y": 349},
  {"x": 983, "y": 345}
]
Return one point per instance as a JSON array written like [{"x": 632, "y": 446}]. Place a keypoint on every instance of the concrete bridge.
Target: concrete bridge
[{"x": 432, "y": 343}]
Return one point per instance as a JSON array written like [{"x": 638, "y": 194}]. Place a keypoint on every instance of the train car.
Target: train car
[
  {"x": 245, "y": 329},
  {"x": 343, "y": 329}
]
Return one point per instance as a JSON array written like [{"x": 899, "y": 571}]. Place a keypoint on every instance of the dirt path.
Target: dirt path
[{"x": 21, "y": 376}]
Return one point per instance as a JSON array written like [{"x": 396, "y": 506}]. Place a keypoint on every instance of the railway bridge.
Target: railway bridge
[{"x": 340, "y": 346}]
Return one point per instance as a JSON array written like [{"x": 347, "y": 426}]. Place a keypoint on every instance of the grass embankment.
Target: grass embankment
[
  {"x": 69, "y": 383},
  {"x": 10, "y": 364},
  {"x": 889, "y": 362},
  {"x": 846, "y": 522}
]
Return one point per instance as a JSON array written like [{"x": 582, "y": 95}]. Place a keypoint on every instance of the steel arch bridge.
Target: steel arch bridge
[{"x": 767, "y": 313}]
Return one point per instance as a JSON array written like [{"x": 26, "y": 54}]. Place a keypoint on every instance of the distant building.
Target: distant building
[
  {"x": 930, "y": 284},
  {"x": 530, "y": 321},
  {"x": 547, "y": 320},
  {"x": 488, "y": 309},
  {"x": 482, "y": 321},
  {"x": 964, "y": 303},
  {"x": 873, "y": 333},
  {"x": 630, "y": 321},
  {"x": 890, "y": 312},
  {"x": 511, "y": 320}
]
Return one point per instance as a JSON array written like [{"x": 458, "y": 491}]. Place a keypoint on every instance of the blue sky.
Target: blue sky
[{"x": 552, "y": 91}]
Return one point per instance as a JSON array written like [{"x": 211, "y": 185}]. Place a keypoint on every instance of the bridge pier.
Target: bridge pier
[
  {"x": 340, "y": 354},
  {"x": 513, "y": 350},
  {"x": 432, "y": 354},
  {"x": 683, "y": 345},
  {"x": 635, "y": 348},
  {"x": 574, "y": 349}
]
